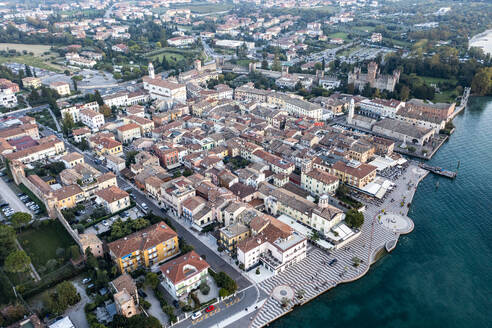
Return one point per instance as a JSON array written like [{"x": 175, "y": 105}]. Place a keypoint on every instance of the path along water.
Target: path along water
[{"x": 440, "y": 275}]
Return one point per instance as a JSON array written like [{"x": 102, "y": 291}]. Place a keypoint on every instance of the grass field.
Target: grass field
[
  {"x": 41, "y": 243},
  {"x": 36, "y": 49},
  {"x": 171, "y": 58},
  {"x": 445, "y": 96},
  {"x": 367, "y": 29},
  {"x": 41, "y": 55},
  {"x": 38, "y": 62},
  {"x": 340, "y": 35},
  {"x": 436, "y": 80}
]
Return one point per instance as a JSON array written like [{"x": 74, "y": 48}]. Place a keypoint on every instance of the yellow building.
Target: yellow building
[
  {"x": 354, "y": 174},
  {"x": 231, "y": 235},
  {"x": 69, "y": 196},
  {"x": 361, "y": 152},
  {"x": 108, "y": 146},
  {"x": 31, "y": 82},
  {"x": 144, "y": 248}
]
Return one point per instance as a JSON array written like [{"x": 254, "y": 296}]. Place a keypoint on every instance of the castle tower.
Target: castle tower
[
  {"x": 372, "y": 70},
  {"x": 350, "y": 116},
  {"x": 151, "y": 71}
]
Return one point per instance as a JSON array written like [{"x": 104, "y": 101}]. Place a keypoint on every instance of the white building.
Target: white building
[
  {"x": 74, "y": 111},
  {"x": 164, "y": 89},
  {"x": 184, "y": 274},
  {"x": 91, "y": 118},
  {"x": 380, "y": 107},
  {"x": 7, "y": 98},
  {"x": 273, "y": 244},
  {"x": 181, "y": 41}
]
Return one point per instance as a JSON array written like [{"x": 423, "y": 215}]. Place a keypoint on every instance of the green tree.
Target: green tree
[
  {"x": 7, "y": 241},
  {"x": 67, "y": 123},
  {"x": 152, "y": 280},
  {"x": 354, "y": 218},
  {"x": 276, "y": 64},
  {"x": 20, "y": 219},
  {"x": 482, "y": 82},
  {"x": 17, "y": 262},
  {"x": 98, "y": 98},
  {"x": 27, "y": 69}
]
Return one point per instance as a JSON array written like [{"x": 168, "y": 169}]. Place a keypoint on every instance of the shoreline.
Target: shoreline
[{"x": 376, "y": 228}]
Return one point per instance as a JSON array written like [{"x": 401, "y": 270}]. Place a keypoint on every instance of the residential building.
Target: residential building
[
  {"x": 7, "y": 98},
  {"x": 125, "y": 295},
  {"x": 92, "y": 242},
  {"x": 94, "y": 120},
  {"x": 128, "y": 132},
  {"x": 354, "y": 174},
  {"x": 144, "y": 248},
  {"x": 184, "y": 274},
  {"x": 113, "y": 198},
  {"x": 31, "y": 82},
  {"x": 62, "y": 88},
  {"x": 318, "y": 182},
  {"x": 273, "y": 244}
]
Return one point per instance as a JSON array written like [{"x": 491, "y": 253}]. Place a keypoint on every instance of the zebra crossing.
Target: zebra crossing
[{"x": 313, "y": 275}]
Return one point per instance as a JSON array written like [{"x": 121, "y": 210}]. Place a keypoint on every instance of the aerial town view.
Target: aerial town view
[{"x": 245, "y": 163}]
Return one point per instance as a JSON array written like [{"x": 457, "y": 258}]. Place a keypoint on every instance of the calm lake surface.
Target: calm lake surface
[{"x": 440, "y": 275}]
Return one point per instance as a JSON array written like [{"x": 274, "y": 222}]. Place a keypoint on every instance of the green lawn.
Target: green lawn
[
  {"x": 31, "y": 61},
  {"x": 341, "y": 35},
  {"x": 445, "y": 97},
  {"x": 367, "y": 29},
  {"x": 436, "y": 80},
  {"x": 171, "y": 58},
  {"x": 41, "y": 243}
]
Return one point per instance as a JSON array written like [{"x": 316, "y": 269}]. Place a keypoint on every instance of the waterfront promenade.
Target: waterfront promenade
[{"x": 314, "y": 276}]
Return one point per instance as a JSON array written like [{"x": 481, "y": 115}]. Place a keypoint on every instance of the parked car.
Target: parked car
[
  {"x": 209, "y": 308},
  {"x": 333, "y": 262},
  {"x": 86, "y": 280},
  {"x": 142, "y": 293},
  {"x": 144, "y": 206},
  {"x": 196, "y": 315}
]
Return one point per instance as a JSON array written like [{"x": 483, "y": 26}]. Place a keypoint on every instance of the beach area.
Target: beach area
[{"x": 483, "y": 41}]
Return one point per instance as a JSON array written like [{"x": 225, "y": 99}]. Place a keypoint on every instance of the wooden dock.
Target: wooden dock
[{"x": 439, "y": 171}]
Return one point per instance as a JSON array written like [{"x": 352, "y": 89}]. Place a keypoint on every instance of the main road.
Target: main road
[{"x": 248, "y": 297}]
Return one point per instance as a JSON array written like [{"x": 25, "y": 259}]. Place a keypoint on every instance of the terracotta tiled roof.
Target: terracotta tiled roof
[
  {"x": 184, "y": 267},
  {"x": 142, "y": 240},
  {"x": 112, "y": 194}
]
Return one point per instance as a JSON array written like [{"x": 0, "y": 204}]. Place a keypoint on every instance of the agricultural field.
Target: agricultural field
[{"x": 35, "y": 55}]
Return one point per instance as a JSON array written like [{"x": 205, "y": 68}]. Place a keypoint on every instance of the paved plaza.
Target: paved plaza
[{"x": 313, "y": 275}]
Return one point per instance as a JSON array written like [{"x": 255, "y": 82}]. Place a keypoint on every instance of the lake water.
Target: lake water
[{"x": 440, "y": 275}]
